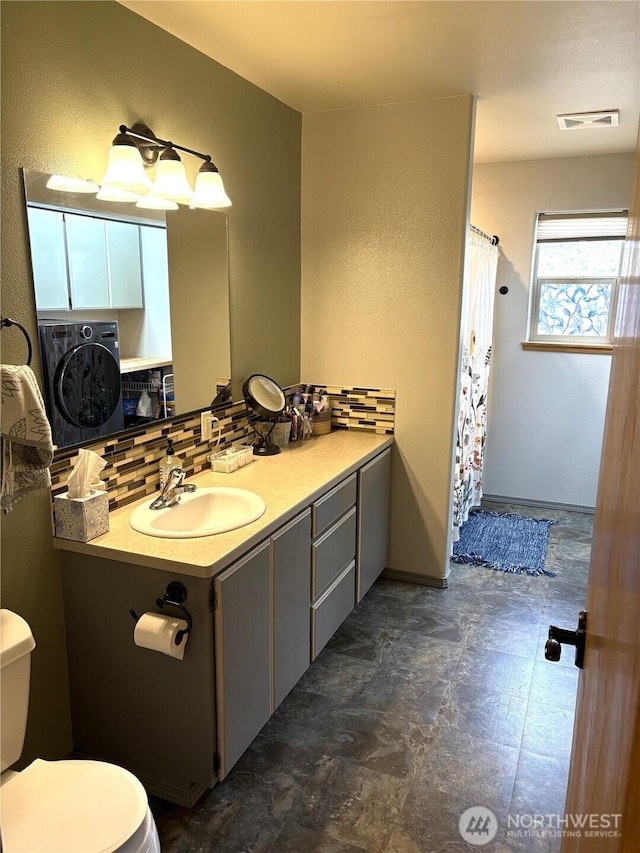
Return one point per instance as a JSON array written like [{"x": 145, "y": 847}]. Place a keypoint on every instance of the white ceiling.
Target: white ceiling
[{"x": 526, "y": 62}]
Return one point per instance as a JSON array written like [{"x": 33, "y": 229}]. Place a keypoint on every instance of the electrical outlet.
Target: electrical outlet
[{"x": 206, "y": 427}]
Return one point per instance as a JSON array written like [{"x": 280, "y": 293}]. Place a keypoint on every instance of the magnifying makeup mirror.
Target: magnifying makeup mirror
[{"x": 266, "y": 399}]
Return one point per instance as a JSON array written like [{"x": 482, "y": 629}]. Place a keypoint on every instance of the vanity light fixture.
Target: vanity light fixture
[
  {"x": 171, "y": 178},
  {"x": 125, "y": 170},
  {"x": 209, "y": 193},
  {"x": 136, "y": 148}
]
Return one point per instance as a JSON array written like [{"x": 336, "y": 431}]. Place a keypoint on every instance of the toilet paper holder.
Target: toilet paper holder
[{"x": 174, "y": 596}]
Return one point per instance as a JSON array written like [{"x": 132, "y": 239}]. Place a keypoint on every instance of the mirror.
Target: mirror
[
  {"x": 131, "y": 296},
  {"x": 266, "y": 398}
]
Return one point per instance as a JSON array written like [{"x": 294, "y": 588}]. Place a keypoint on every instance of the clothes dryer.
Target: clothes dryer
[{"x": 81, "y": 377}]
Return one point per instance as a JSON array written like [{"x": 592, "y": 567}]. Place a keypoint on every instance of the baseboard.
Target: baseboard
[
  {"x": 187, "y": 797},
  {"x": 180, "y": 796},
  {"x": 411, "y": 577},
  {"x": 502, "y": 499}
]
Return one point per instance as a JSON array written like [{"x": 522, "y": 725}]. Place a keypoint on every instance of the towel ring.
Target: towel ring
[{"x": 6, "y": 322}]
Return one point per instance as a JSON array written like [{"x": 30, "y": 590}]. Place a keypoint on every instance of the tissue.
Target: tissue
[{"x": 85, "y": 471}]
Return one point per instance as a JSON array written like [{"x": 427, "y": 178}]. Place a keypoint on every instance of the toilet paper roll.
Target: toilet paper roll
[{"x": 158, "y": 632}]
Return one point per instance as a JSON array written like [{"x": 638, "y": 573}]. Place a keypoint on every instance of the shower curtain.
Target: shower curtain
[{"x": 476, "y": 337}]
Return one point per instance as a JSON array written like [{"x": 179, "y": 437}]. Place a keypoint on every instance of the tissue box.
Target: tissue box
[{"x": 81, "y": 519}]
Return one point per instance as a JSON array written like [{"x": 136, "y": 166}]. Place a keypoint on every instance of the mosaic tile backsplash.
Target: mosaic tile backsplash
[
  {"x": 362, "y": 408},
  {"x": 133, "y": 459}
]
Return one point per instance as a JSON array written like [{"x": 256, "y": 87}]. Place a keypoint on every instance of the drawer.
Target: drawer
[
  {"x": 330, "y": 611},
  {"x": 332, "y": 505},
  {"x": 332, "y": 551}
]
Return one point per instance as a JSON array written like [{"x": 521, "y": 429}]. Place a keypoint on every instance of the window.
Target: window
[{"x": 575, "y": 280}]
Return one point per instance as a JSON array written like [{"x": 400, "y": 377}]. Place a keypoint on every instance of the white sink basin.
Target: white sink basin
[{"x": 215, "y": 509}]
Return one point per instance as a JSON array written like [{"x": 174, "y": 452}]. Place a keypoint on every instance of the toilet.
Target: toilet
[{"x": 60, "y": 806}]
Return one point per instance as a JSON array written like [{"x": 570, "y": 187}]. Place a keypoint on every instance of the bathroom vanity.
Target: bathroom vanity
[{"x": 264, "y": 600}]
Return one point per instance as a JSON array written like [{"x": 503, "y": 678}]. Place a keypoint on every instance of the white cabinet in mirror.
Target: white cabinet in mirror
[{"x": 161, "y": 278}]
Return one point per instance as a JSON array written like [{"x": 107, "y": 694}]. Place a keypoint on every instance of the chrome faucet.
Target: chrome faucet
[{"x": 172, "y": 490}]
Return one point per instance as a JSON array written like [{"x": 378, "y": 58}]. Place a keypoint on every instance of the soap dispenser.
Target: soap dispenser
[{"x": 167, "y": 463}]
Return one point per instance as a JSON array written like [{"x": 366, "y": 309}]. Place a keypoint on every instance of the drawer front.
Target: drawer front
[
  {"x": 332, "y": 505},
  {"x": 330, "y": 611},
  {"x": 331, "y": 553}
]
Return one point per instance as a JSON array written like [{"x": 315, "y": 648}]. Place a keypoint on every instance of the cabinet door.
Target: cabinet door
[
  {"x": 291, "y": 616},
  {"x": 243, "y": 672},
  {"x": 87, "y": 253},
  {"x": 48, "y": 259},
  {"x": 373, "y": 520},
  {"x": 156, "y": 330},
  {"x": 125, "y": 272}
]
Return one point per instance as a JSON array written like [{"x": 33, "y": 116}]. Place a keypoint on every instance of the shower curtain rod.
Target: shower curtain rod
[{"x": 493, "y": 240}]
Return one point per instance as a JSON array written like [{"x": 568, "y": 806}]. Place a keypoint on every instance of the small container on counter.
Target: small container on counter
[
  {"x": 229, "y": 460},
  {"x": 321, "y": 422}
]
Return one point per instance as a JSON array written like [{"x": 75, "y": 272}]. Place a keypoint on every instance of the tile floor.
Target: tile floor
[{"x": 424, "y": 703}]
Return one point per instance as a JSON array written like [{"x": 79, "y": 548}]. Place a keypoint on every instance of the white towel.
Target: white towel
[{"x": 27, "y": 448}]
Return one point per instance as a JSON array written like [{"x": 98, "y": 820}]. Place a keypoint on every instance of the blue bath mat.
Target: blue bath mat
[{"x": 505, "y": 542}]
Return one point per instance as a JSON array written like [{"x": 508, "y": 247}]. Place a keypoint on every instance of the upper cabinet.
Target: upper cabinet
[
  {"x": 84, "y": 262},
  {"x": 88, "y": 267},
  {"x": 125, "y": 268},
  {"x": 48, "y": 259}
]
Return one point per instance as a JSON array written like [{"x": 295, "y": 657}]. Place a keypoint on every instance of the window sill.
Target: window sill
[{"x": 544, "y": 346}]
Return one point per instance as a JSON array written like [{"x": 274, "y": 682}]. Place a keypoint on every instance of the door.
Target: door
[
  {"x": 373, "y": 521},
  {"x": 48, "y": 259},
  {"x": 87, "y": 385},
  {"x": 604, "y": 776},
  {"x": 125, "y": 271},
  {"x": 291, "y": 614},
  {"x": 243, "y": 653},
  {"x": 87, "y": 254}
]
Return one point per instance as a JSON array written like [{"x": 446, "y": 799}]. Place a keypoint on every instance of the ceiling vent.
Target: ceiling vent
[{"x": 584, "y": 121}]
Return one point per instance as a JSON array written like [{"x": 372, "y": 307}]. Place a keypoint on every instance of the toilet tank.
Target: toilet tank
[{"x": 16, "y": 645}]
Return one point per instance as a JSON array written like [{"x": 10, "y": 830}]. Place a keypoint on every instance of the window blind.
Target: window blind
[{"x": 553, "y": 227}]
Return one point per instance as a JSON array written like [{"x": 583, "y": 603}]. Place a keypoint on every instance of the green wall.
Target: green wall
[
  {"x": 383, "y": 242},
  {"x": 71, "y": 74}
]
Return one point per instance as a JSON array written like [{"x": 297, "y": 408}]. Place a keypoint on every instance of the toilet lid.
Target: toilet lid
[{"x": 71, "y": 807}]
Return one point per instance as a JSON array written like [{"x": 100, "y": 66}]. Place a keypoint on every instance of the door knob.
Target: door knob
[{"x": 553, "y": 649}]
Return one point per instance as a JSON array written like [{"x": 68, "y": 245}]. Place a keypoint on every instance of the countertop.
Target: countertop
[
  {"x": 288, "y": 483},
  {"x": 131, "y": 365}
]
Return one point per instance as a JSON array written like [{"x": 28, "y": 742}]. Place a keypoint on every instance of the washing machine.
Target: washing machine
[{"x": 81, "y": 377}]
